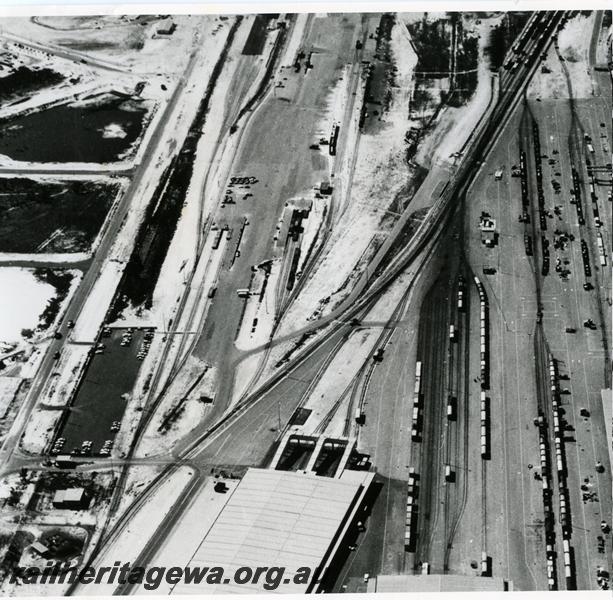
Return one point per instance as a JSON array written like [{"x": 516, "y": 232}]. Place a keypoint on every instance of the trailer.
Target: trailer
[
  {"x": 451, "y": 408},
  {"x": 333, "y": 140},
  {"x": 217, "y": 239}
]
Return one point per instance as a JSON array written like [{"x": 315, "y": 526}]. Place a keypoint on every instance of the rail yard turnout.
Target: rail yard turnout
[{"x": 324, "y": 291}]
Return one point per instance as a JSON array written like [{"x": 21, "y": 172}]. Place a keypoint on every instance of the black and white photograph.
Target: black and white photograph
[{"x": 305, "y": 302}]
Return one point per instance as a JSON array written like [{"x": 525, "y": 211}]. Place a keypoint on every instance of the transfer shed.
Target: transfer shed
[
  {"x": 279, "y": 519},
  {"x": 437, "y": 583}
]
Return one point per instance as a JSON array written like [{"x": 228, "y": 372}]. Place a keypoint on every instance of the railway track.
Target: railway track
[
  {"x": 359, "y": 383},
  {"x": 283, "y": 299},
  {"x": 553, "y": 531},
  {"x": 445, "y": 434},
  {"x": 462, "y": 395},
  {"x": 437, "y": 217},
  {"x": 432, "y": 350},
  {"x": 576, "y": 143},
  {"x": 364, "y": 292}
]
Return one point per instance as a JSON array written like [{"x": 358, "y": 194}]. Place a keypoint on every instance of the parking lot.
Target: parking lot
[{"x": 94, "y": 418}]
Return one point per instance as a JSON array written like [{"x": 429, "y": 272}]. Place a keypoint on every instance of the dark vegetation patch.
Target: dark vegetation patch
[
  {"x": 24, "y": 81},
  {"x": 18, "y": 542},
  {"x": 155, "y": 236},
  {"x": 52, "y": 217},
  {"x": 272, "y": 61},
  {"x": 403, "y": 197},
  {"x": 94, "y": 22},
  {"x": 61, "y": 544},
  {"x": 133, "y": 41},
  {"x": 88, "y": 45},
  {"x": 448, "y": 60},
  {"x": 465, "y": 83},
  {"x": 408, "y": 231},
  {"x": 75, "y": 132},
  {"x": 257, "y": 35},
  {"x": 503, "y": 35},
  {"x": 60, "y": 280},
  {"x": 297, "y": 345},
  {"x": 445, "y": 74},
  {"x": 432, "y": 42},
  {"x": 163, "y": 211}
]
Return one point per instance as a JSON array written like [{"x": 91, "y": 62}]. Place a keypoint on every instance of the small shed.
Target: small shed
[
  {"x": 325, "y": 188},
  {"x": 40, "y": 549},
  {"x": 166, "y": 27}
]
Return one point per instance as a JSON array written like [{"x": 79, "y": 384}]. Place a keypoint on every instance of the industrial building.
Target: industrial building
[
  {"x": 283, "y": 519},
  {"x": 437, "y": 583},
  {"x": 71, "y": 498}
]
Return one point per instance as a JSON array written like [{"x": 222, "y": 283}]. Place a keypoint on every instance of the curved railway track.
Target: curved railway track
[{"x": 363, "y": 300}]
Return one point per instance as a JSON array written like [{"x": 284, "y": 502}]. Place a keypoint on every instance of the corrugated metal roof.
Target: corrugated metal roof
[
  {"x": 69, "y": 495},
  {"x": 434, "y": 583},
  {"x": 274, "y": 519}
]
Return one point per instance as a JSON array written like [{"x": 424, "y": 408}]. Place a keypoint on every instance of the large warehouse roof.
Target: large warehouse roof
[
  {"x": 275, "y": 518},
  {"x": 435, "y": 583}
]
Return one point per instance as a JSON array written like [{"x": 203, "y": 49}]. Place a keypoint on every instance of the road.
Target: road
[
  {"x": 231, "y": 441},
  {"x": 149, "y": 156},
  {"x": 256, "y": 157},
  {"x": 69, "y": 55},
  {"x": 39, "y": 170},
  {"x": 358, "y": 298}
]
